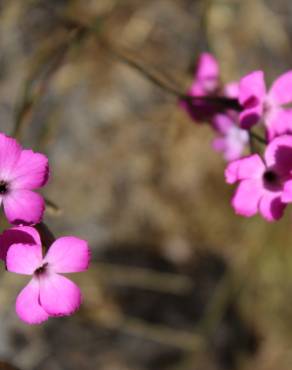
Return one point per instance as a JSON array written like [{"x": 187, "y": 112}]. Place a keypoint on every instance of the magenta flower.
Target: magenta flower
[
  {"x": 206, "y": 83},
  {"x": 265, "y": 185},
  {"x": 230, "y": 140},
  {"x": 206, "y": 79},
  {"x": 48, "y": 293},
  {"x": 259, "y": 104},
  {"x": 21, "y": 171}
]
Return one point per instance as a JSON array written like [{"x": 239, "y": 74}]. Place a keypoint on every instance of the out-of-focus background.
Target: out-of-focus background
[{"x": 177, "y": 281}]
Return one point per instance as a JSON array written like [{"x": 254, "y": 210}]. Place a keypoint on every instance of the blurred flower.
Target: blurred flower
[
  {"x": 206, "y": 79},
  {"x": 206, "y": 83},
  {"x": 265, "y": 185},
  {"x": 230, "y": 140},
  {"x": 259, "y": 104},
  {"x": 48, "y": 293},
  {"x": 20, "y": 172}
]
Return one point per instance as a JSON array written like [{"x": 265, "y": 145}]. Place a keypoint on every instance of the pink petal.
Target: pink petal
[
  {"x": 278, "y": 154},
  {"x": 251, "y": 167},
  {"x": 68, "y": 254},
  {"x": 250, "y": 117},
  {"x": 31, "y": 172},
  {"x": 281, "y": 90},
  {"x": 232, "y": 153},
  {"x": 287, "y": 192},
  {"x": 278, "y": 122},
  {"x": 23, "y": 207},
  {"x": 252, "y": 92},
  {"x": 271, "y": 207},
  {"x": 59, "y": 296},
  {"x": 24, "y": 258},
  {"x": 246, "y": 199},
  {"x": 233, "y": 150},
  {"x": 252, "y": 86},
  {"x": 27, "y": 304},
  {"x": 236, "y": 142},
  {"x": 10, "y": 152},
  {"x": 197, "y": 89},
  {"x": 231, "y": 140},
  {"x": 231, "y": 90},
  {"x": 222, "y": 122},
  {"x": 219, "y": 144},
  {"x": 207, "y": 72},
  {"x": 16, "y": 235}
]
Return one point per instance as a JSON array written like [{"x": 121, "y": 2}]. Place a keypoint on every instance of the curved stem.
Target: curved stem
[{"x": 124, "y": 56}]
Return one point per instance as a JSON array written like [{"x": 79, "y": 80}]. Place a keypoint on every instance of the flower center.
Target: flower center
[
  {"x": 3, "y": 187},
  {"x": 40, "y": 270},
  {"x": 272, "y": 180},
  {"x": 266, "y": 107},
  {"x": 270, "y": 177}
]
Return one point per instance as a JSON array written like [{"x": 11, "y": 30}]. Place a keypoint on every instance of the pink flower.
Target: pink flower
[
  {"x": 230, "y": 140},
  {"x": 206, "y": 83},
  {"x": 206, "y": 79},
  {"x": 21, "y": 171},
  {"x": 265, "y": 185},
  {"x": 48, "y": 293},
  {"x": 259, "y": 104}
]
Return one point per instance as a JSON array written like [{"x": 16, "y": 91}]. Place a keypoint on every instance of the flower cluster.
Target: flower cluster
[
  {"x": 230, "y": 138},
  {"x": 233, "y": 110},
  {"x": 48, "y": 293}
]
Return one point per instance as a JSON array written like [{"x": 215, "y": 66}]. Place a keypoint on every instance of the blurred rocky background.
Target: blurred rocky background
[{"x": 177, "y": 281}]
